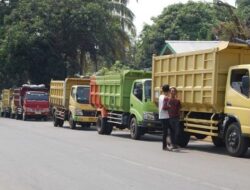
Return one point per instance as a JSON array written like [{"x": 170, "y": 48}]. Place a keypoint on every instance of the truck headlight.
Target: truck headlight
[
  {"x": 78, "y": 112},
  {"x": 148, "y": 116}
]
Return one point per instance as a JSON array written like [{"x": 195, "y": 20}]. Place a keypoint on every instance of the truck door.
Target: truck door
[
  {"x": 237, "y": 102},
  {"x": 136, "y": 98}
]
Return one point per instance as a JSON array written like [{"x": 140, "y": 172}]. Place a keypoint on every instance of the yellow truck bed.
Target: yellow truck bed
[
  {"x": 7, "y": 95},
  {"x": 60, "y": 90},
  {"x": 199, "y": 76}
]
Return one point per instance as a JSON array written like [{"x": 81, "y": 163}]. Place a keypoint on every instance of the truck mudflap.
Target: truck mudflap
[{"x": 85, "y": 119}]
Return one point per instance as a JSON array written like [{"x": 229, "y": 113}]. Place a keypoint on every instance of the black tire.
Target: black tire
[
  {"x": 236, "y": 144},
  {"x": 55, "y": 120},
  {"x": 109, "y": 128},
  {"x": 60, "y": 122},
  {"x": 135, "y": 131},
  {"x": 200, "y": 136},
  {"x": 72, "y": 123},
  {"x": 183, "y": 139},
  {"x": 218, "y": 142},
  {"x": 101, "y": 125}
]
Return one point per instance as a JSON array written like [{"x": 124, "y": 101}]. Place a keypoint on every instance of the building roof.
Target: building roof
[{"x": 173, "y": 47}]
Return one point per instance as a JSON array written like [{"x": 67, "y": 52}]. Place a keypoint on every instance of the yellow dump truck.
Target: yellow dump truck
[
  {"x": 213, "y": 86},
  {"x": 69, "y": 100},
  {"x": 7, "y": 95}
]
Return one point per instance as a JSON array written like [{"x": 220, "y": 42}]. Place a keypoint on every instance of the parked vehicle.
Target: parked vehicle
[
  {"x": 123, "y": 100},
  {"x": 213, "y": 86},
  {"x": 69, "y": 100},
  {"x": 36, "y": 105},
  {"x": 26, "y": 103},
  {"x": 7, "y": 95}
]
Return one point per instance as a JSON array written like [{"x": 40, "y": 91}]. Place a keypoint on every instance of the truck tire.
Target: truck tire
[
  {"x": 72, "y": 123},
  {"x": 101, "y": 125},
  {"x": 55, "y": 120},
  {"x": 236, "y": 144},
  {"x": 135, "y": 131},
  {"x": 109, "y": 128},
  {"x": 60, "y": 122},
  {"x": 218, "y": 142}
]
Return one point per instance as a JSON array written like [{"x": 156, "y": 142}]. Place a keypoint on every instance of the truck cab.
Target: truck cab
[
  {"x": 80, "y": 111},
  {"x": 144, "y": 112},
  {"x": 36, "y": 105}
]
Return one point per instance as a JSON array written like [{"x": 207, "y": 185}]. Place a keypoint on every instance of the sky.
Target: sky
[{"x": 145, "y": 9}]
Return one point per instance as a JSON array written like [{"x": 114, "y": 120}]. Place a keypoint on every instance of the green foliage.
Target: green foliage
[
  {"x": 191, "y": 21},
  {"x": 46, "y": 39},
  {"x": 116, "y": 67}
]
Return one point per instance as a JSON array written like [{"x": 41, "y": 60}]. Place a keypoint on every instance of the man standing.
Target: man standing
[
  {"x": 163, "y": 115},
  {"x": 173, "y": 105}
]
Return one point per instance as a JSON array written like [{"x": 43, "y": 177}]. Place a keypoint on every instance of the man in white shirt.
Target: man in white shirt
[{"x": 164, "y": 116}]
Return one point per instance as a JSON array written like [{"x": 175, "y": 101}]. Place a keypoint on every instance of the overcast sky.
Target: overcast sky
[{"x": 145, "y": 9}]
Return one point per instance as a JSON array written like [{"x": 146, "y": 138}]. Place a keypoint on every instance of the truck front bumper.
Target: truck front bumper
[
  {"x": 152, "y": 125},
  {"x": 85, "y": 119}
]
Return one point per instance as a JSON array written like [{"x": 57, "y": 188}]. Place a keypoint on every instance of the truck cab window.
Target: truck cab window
[
  {"x": 82, "y": 95},
  {"x": 147, "y": 89},
  {"x": 240, "y": 81},
  {"x": 137, "y": 90}
]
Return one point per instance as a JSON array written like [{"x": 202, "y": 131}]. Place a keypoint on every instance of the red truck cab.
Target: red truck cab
[{"x": 36, "y": 105}]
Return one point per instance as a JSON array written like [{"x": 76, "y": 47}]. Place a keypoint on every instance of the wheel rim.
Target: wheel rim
[{"x": 233, "y": 140}]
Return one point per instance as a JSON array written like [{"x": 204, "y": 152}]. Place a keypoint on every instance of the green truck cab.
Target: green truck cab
[{"x": 123, "y": 100}]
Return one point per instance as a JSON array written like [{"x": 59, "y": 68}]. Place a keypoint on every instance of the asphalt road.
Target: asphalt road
[{"x": 37, "y": 156}]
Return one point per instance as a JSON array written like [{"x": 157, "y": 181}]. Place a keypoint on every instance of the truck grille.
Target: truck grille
[{"x": 88, "y": 113}]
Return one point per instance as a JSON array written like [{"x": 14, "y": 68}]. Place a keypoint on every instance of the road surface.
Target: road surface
[{"x": 37, "y": 156}]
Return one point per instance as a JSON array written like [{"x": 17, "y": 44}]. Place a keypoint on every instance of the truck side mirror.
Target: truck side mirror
[{"x": 245, "y": 85}]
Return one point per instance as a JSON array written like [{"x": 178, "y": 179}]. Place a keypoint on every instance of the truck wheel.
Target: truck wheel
[
  {"x": 109, "y": 128},
  {"x": 135, "y": 131},
  {"x": 72, "y": 123},
  {"x": 55, "y": 120},
  {"x": 101, "y": 125},
  {"x": 183, "y": 139},
  {"x": 218, "y": 142},
  {"x": 60, "y": 122},
  {"x": 236, "y": 144}
]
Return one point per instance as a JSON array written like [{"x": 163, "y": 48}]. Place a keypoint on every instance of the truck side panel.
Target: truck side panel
[
  {"x": 112, "y": 91},
  {"x": 60, "y": 90},
  {"x": 200, "y": 77}
]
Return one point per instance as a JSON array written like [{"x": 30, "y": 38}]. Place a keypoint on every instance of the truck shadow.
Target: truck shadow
[
  {"x": 79, "y": 128},
  {"x": 146, "y": 137},
  {"x": 209, "y": 148}
]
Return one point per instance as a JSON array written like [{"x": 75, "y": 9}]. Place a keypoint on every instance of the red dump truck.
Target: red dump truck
[{"x": 30, "y": 101}]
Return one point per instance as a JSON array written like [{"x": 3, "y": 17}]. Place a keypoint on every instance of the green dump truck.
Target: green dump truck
[
  {"x": 213, "y": 86},
  {"x": 123, "y": 100}
]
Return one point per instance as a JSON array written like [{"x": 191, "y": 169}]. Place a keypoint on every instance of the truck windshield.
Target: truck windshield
[
  {"x": 82, "y": 95},
  {"x": 38, "y": 96},
  {"x": 147, "y": 89}
]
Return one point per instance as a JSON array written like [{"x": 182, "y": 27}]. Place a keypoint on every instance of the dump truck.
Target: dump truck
[
  {"x": 7, "y": 95},
  {"x": 123, "y": 100},
  {"x": 30, "y": 101},
  {"x": 69, "y": 100},
  {"x": 213, "y": 87}
]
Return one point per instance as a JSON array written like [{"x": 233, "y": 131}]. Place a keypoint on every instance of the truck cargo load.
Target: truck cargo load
[{"x": 213, "y": 87}]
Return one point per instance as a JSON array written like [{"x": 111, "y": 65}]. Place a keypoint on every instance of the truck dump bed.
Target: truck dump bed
[
  {"x": 7, "y": 95},
  {"x": 199, "y": 76},
  {"x": 60, "y": 90},
  {"x": 113, "y": 90}
]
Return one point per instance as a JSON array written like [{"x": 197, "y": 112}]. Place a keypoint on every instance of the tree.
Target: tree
[
  {"x": 191, "y": 21},
  {"x": 45, "y": 39}
]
